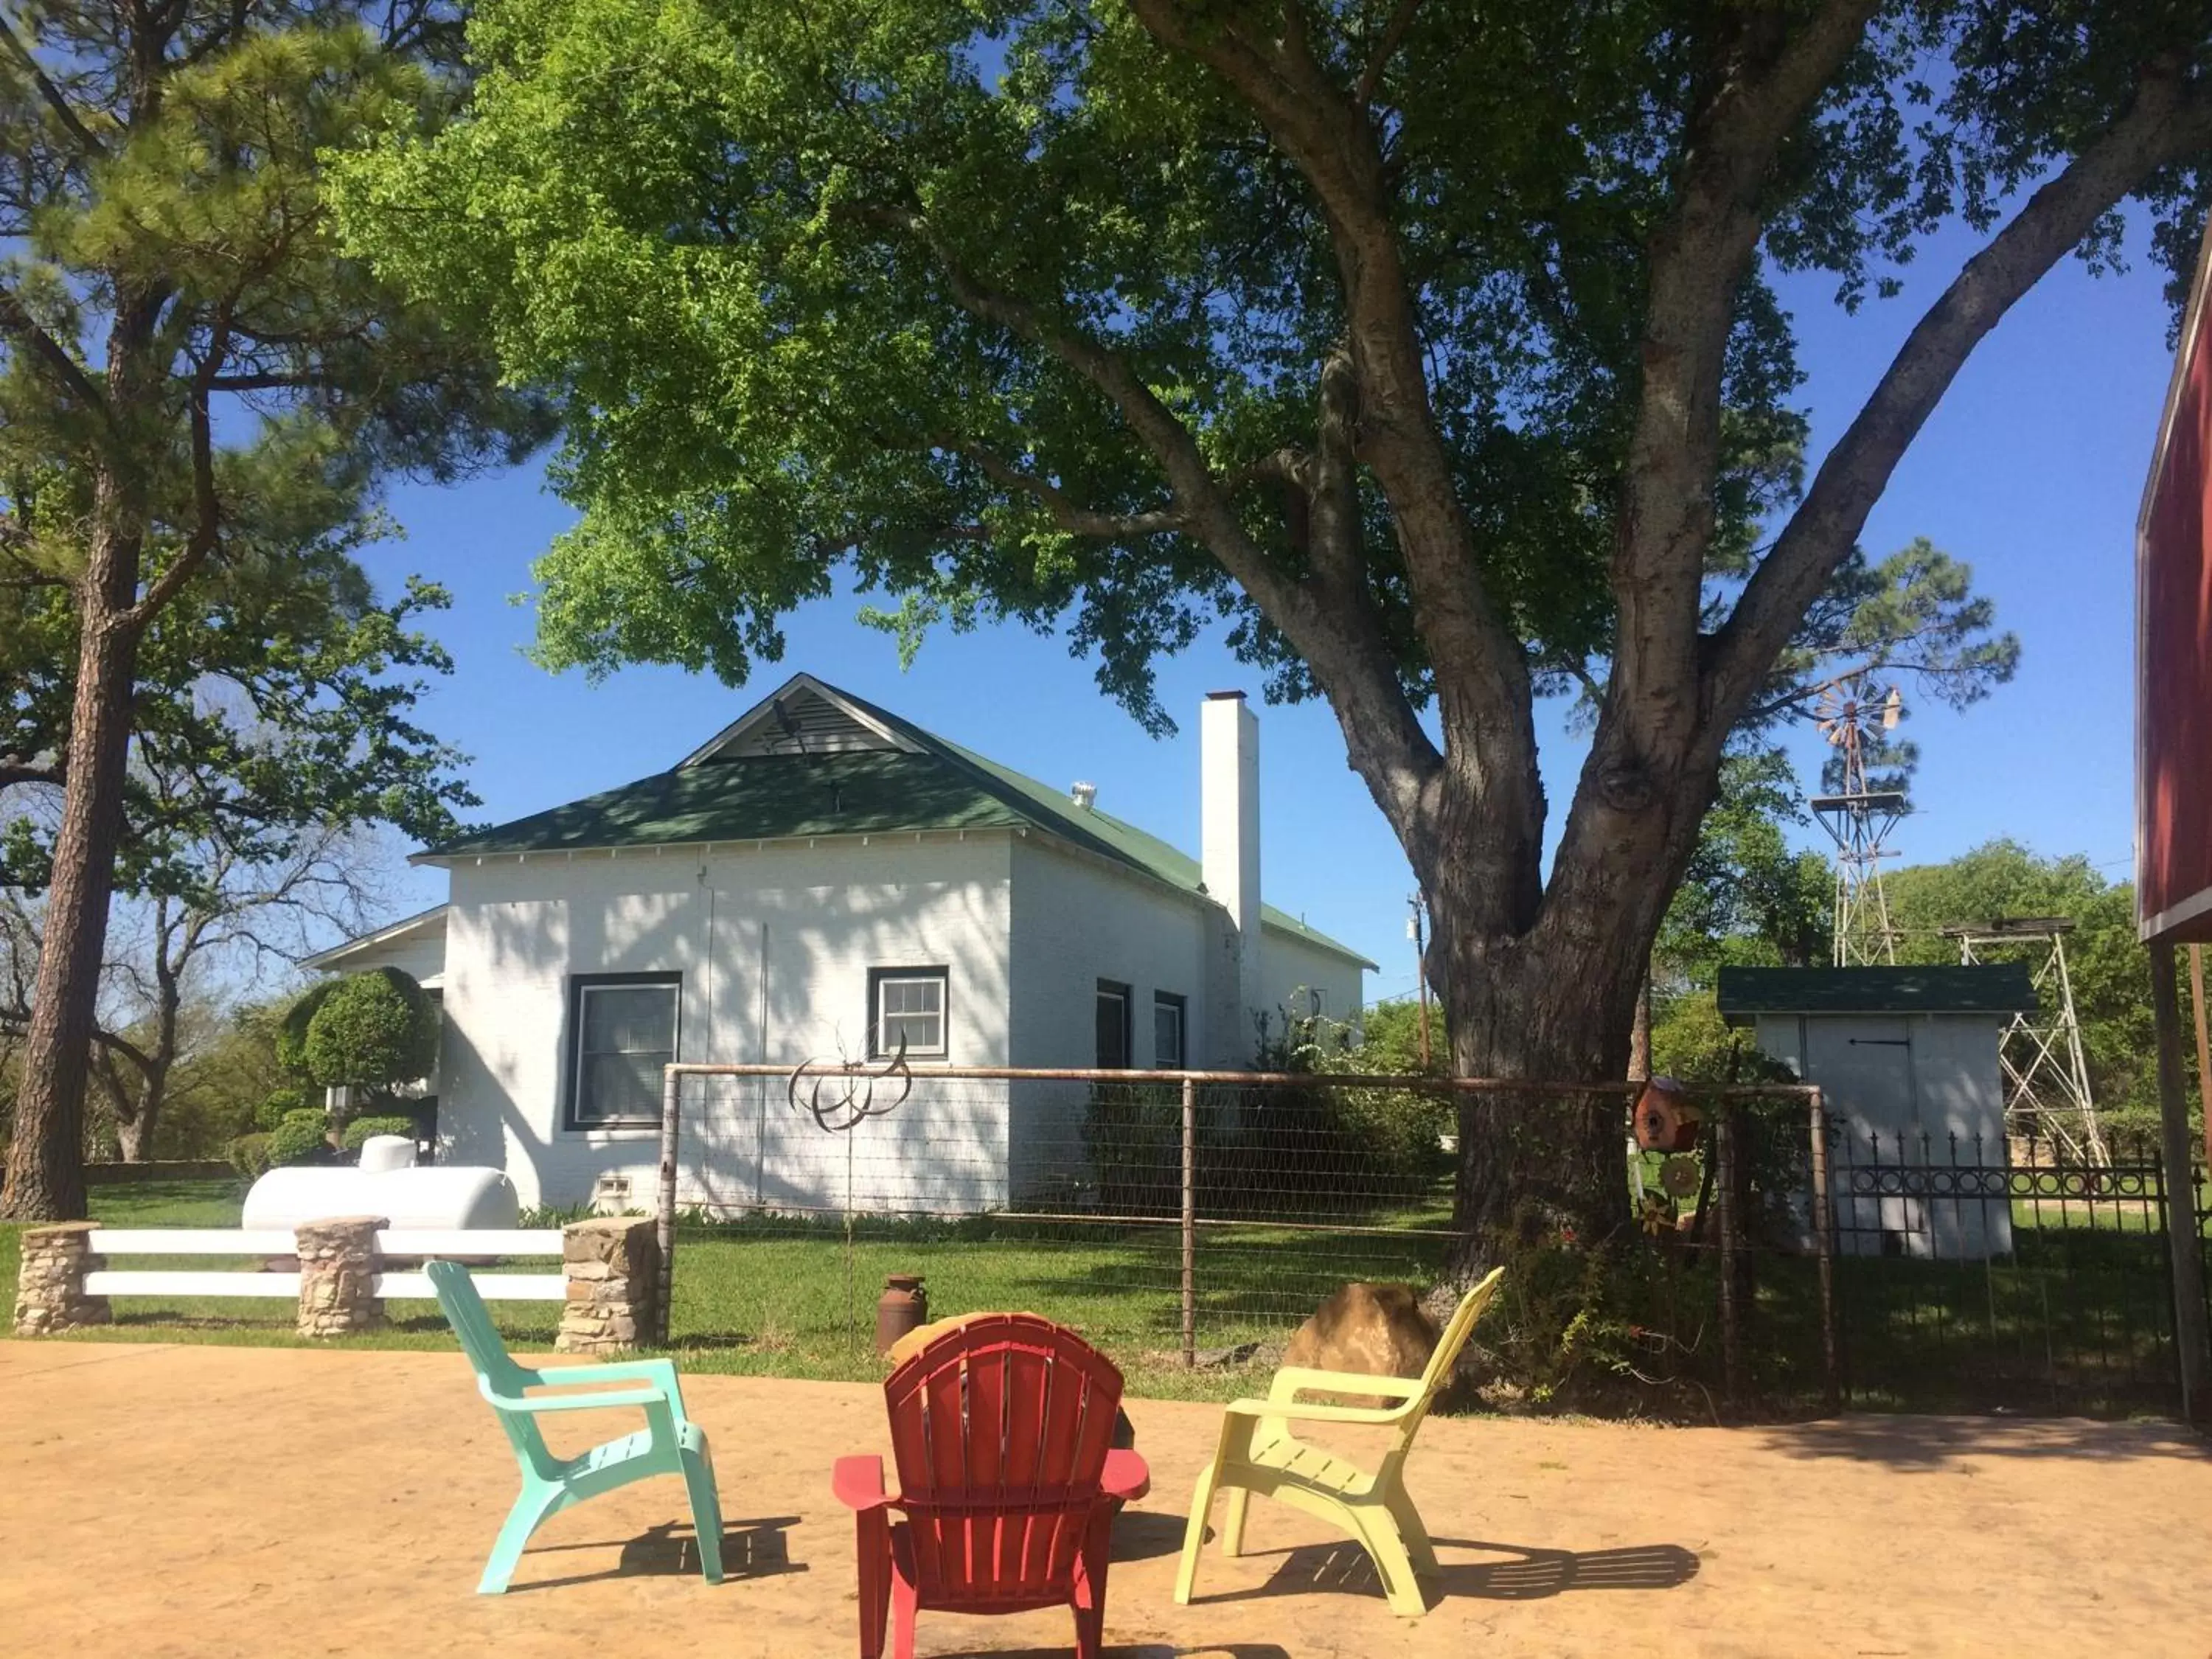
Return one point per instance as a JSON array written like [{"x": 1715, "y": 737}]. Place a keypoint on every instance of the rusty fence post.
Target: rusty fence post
[
  {"x": 1189, "y": 1223},
  {"x": 1824, "y": 1247},
  {"x": 1724, "y": 1149},
  {"x": 664, "y": 1232}
]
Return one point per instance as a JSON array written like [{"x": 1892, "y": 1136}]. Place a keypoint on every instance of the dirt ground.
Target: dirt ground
[{"x": 169, "y": 1500}]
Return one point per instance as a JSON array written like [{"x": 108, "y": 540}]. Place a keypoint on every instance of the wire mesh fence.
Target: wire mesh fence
[
  {"x": 1176, "y": 1219},
  {"x": 1189, "y": 1223}
]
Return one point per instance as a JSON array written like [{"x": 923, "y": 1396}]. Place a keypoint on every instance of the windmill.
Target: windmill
[
  {"x": 1853, "y": 714},
  {"x": 2046, "y": 1072}
]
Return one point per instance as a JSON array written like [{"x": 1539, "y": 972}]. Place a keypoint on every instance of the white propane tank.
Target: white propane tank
[
  {"x": 382, "y": 1152},
  {"x": 438, "y": 1195}
]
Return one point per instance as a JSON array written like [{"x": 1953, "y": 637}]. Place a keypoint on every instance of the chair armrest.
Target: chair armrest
[
  {"x": 1126, "y": 1476},
  {"x": 858, "y": 1483},
  {"x": 1294, "y": 1379},
  {"x": 612, "y": 1370},
  {"x": 1298, "y": 1412},
  {"x": 576, "y": 1402}
]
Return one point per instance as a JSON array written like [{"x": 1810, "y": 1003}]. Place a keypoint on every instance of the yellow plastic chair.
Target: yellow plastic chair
[{"x": 1258, "y": 1454}]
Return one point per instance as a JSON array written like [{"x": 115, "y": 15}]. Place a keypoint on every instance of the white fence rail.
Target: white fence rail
[{"x": 463, "y": 1243}]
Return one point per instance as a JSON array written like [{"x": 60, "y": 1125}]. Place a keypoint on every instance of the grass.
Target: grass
[
  {"x": 789, "y": 1299},
  {"x": 2075, "y": 1320}
]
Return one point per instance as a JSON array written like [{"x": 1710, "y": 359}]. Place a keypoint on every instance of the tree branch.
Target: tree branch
[
  {"x": 54, "y": 98},
  {"x": 52, "y": 356},
  {"x": 2165, "y": 119},
  {"x": 1399, "y": 757},
  {"x": 207, "y": 508},
  {"x": 1386, "y": 48},
  {"x": 1766, "y": 81},
  {"x": 1069, "y": 514},
  {"x": 1481, "y": 674}
]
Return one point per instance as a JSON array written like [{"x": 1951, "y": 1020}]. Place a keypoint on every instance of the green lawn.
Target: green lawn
[
  {"x": 789, "y": 1299},
  {"x": 2073, "y": 1321}
]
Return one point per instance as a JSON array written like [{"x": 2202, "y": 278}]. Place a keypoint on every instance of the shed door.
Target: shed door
[{"x": 1863, "y": 1064}]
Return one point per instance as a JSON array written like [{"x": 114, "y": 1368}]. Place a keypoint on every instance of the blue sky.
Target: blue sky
[{"x": 2030, "y": 471}]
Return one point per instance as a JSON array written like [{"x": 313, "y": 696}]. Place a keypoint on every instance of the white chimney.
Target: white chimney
[
  {"x": 1229, "y": 839},
  {"x": 1083, "y": 794}
]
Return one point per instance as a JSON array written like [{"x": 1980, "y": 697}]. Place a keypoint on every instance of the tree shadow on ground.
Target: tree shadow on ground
[
  {"x": 750, "y": 1549},
  {"x": 1918, "y": 1442},
  {"x": 1522, "y": 1572}
]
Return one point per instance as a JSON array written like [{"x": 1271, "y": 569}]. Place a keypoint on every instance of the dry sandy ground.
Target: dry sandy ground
[{"x": 160, "y": 1500}]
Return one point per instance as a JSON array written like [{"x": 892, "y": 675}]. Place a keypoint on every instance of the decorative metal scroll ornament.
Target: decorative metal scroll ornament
[{"x": 841, "y": 1094}]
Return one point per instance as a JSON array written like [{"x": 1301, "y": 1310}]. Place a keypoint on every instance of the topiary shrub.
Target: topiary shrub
[
  {"x": 292, "y": 1028},
  {"x": 249, "y": 1155},
  {"x": 358, "y": 1132},
  {"x": 301, "y": 1137},
  {"x": 280, "y": 1105},
  {"x": 372, "y": 1031}
]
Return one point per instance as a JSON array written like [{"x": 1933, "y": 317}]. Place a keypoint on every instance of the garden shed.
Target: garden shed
[{"x": 1907, "y": 1063}]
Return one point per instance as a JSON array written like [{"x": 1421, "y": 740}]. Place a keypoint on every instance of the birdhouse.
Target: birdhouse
[{"x": 1665, "y": 1121}]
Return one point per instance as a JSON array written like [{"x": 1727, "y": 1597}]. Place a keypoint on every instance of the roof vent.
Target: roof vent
[{"x": 1083, "y": 794}]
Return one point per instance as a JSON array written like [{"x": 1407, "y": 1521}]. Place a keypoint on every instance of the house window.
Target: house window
[
  {"x": 907, "y": 1007},
  {"x": 1167, "y": 1031},
  {"x": 625, "y": 1027},
  {"x": 1113, "y": 1026}
]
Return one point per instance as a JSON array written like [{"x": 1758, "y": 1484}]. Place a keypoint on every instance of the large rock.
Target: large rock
[{"x": 1377, "y": 1330}]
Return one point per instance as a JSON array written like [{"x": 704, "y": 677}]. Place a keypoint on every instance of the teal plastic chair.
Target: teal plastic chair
[{"x": 670, "y": 1443}]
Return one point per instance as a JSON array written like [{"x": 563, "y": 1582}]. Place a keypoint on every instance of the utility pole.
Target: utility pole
[{"x": 1415, "y": 932}]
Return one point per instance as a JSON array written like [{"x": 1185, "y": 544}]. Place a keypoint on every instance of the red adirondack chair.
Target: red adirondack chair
[{"x": 1007, "y": 1482}]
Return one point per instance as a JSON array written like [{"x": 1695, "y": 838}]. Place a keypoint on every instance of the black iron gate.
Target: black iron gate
[{"x": 1973, "y": 1277}]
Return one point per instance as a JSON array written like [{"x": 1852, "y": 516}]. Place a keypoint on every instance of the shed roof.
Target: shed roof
[
  {"x": 916, "y": 781},
  {"x": 1997, "y": 987}
]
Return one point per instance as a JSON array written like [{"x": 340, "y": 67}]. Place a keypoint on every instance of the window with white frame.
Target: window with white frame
[
  {"x": 1167, "y": 1031},
  {"x": 908, "y": 1011},
  {"x": 624, "y": 1027}
]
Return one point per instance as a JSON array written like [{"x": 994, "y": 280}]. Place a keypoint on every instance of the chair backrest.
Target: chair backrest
[
  {"x": 496, "y": 1371},
  {"x": 1445, "y": 1355},
  {"x": 999, "y": 1430}
]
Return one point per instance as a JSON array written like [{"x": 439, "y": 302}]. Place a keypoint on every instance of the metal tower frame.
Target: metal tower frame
[
  {"x": 1860, "y": 820},
  {"x": 2046, "y": 1074}
]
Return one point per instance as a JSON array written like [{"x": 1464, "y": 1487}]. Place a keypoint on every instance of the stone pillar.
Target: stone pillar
[
  {"x": 337, "y": 1270},
  {"x": 50, "y": 1287},
  {"x": 613, "y": 1268}
]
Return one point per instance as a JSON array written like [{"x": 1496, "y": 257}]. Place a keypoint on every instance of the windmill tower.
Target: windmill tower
[
  {"x": 1851, "y": 712},
  {"x": 2046, "y": 1075}
]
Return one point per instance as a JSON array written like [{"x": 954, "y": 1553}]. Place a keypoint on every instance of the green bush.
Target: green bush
[
  {"x": 280, "y": 1105},
  {"x": 1283, "y": 1151},
  {"x": 292, "y": 1028},
  {"x": 301, "y": 1137},
  {"x": 249, "y": 1155},
  {"x": 371, "y": 1031},
  {"x": 358, "y": 1132}
]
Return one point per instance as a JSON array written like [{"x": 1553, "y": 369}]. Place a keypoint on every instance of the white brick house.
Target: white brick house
[{"x": 824, "y": 879}]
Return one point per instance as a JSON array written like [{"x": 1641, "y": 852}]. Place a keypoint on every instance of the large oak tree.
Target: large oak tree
[{"x": 1435, "y": 344}]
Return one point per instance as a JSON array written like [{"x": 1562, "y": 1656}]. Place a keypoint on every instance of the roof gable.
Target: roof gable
[{"x": 803, "y": 717}]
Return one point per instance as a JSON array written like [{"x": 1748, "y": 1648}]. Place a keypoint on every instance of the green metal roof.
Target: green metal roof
[
  {"x": 872, "y": 792},
  {"x": 2002, "y": 987}
]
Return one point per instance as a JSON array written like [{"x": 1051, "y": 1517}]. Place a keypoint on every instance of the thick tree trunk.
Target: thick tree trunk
[
  {"x": 46, "y": 1158},
  {"x": 1552, "y": 998},
  {"x": 1547, "y": 1160},
  {"x": 134, "y": 1134}
]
